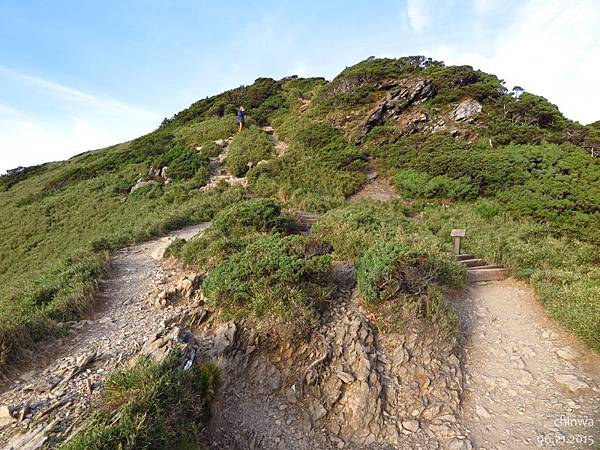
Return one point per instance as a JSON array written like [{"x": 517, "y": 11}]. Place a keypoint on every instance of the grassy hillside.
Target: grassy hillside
[{"x": 519, "y": 175}]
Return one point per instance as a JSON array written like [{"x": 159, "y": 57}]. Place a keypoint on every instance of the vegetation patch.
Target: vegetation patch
[
  {"x": 232, "y": 230},
  {"x": 274, "y": 276},
  {"x": 352, "y": 229},
  {"x": 318, "y": 172},
  {"x": 563, "y": 270},
  {"x": 408, "y": 272},
  {"x": 150, "y": 406},
  {"x": 247, "y": 148},
  {"x": 258, "y": 214}
]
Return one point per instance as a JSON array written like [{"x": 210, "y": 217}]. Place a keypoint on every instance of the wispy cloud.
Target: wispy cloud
[
  {"x": 551, "y": 48},
  {"x": 67, "y": 92},
  {"x": 418, "y": 15},
  {"x": 79, "y": 121},
  {"x": 485, "y": 6}
]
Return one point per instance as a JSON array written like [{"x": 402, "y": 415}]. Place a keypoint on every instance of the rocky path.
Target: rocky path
[
  {"x": 529, "y": 385},
  {"x": 218, "y": 171},
  {"x": 69, "y": 373}
]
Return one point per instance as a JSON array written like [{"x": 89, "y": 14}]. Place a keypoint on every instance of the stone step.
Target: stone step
[
  {"x": 465, "y": 256},
  {"x": 487, "y": 273},
  {"x": 304, "y": 221},
  {"x": 475, "y": 262}
]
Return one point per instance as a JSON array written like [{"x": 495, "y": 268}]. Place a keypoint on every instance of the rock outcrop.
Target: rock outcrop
[
  {"x": 399, "y": 99},
  {"x": 466, "y": 110}
]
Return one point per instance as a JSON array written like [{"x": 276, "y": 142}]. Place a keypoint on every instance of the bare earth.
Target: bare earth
[
  {"x": 529, "y": 385},
  {"x": 112, "y": 337}
]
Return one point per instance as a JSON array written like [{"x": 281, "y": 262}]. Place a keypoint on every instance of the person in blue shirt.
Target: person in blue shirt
[{"x": 241, "y": 119}]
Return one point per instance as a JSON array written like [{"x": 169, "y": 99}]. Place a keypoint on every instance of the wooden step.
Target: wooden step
[
  {"x": 487, "y": 273},
  {"x": 463, "y": 257},
  {"x": 473, "y": 262}
]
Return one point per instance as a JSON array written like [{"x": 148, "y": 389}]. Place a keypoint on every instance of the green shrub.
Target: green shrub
[
  {"x": 183, "y": 163},
  {"x": 258, "y": 214},
  {"x": 249, "y": 146},
  {"x": 413, "y": 184},
  {"x": 210, "y": 149},
  {"x": 150, "y": 406},
  {"x": 352, "y": 229},
  {"x": 402, "y": 279},
  {"x": 390, "y": 268},
  {"x": 206, "y": 251},
  {"x": 286, "y": 277},
  {"x": 318, "y": 172},
  {"x": 210, "y": 129}
]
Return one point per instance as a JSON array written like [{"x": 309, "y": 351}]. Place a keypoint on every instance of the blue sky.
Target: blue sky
[{"x": 81, "y": 75}]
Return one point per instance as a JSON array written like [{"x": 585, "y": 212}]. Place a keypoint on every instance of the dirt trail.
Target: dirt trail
[
  {"x": 529, "y": 384},
  {"x": 95, "y": 346}
]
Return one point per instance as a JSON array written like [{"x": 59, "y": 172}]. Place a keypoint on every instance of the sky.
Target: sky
[{"x": 76, "y": 75}]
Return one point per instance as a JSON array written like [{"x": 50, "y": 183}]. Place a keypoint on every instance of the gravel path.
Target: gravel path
[
  {"x": 529, "y": 384},
  {"x": 67, "y": 376}
]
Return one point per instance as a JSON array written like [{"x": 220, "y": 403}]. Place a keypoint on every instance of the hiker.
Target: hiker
[{"x": 241, "y": 120}]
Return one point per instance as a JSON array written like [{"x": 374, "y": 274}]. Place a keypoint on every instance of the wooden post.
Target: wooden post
[{"x": 457, "y": 234}]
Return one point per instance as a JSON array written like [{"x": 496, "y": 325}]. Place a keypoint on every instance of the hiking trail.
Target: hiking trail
[
  {"x": 514, "y": 381},
  {"x": 67, "y": 374},
  {"x": 528, "y": 383}
]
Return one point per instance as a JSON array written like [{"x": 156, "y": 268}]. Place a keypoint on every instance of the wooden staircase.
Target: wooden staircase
[{"x": 479, "y": 270}]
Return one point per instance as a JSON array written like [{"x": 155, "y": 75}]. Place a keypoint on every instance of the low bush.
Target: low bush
[
  {"x": 248, "y": 147},
  {"x": 410, "y": 184},
  {"x": 258, "y": 214},
  {"x": 183, "y": 163},
  {"x": 206, "y": 251},
  {"x": 278, "y": 277},
  {"x": 352, "y": 229},
  {"x": 390, "y": 268},
  {"x": 210, "y": 129},
  {"x": 210, "y": 149},
  {"x": 150, "y": 406},
  {"x": 318, "y": 172},
  {"x": 402, "y": 278}
]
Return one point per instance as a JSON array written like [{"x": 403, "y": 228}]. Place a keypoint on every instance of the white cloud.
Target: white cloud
[
  {"x": 551, "y": 48},
  {"x": 79, "y": 121},
  {"x": 418, "y": 16},
  {"x": 66, "y": 92},
  {"x": 485, "y": 6},
  {"x": 25, "y": 141}
]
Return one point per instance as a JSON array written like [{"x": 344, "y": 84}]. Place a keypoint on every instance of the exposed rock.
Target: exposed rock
[
  {"x": 221, "y": 143},
  {"x": 567, "y": 353},
  {"x": 411, "y": 425},
  {"x": 571, "y": 382},
  {"x": 466, "y": 110},
  {"x": 406, "y": 94},
  {"x": 163, "y": 172},
  {"x": 141, "y": 184},
  {"x": 346, "y": 377},
  {"x": 166, "y": 342},
  {"x": 482, "y": 411},
  {"x": 224, "y": 338},
  {"x": 6, "y": 417},
  {"x": 524, "y": 378},
  {"x": 460, "y": 444},
  {"x": 33, "y": 439},
  {"x": 317, "y": 411}
]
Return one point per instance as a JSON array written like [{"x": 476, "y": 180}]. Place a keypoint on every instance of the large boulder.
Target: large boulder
[{"x": 466, "y": 110}]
